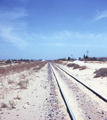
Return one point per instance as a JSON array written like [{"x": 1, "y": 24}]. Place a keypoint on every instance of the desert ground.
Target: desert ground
[
  {"x": 87, "y": 75},
  {"x": 84, "y": 104},
  {"x": 29, "y": 91}
]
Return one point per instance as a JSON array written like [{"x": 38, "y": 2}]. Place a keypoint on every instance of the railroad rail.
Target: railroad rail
[
  {"x": 93, "y": 91},
  {"x": 63, "y": 96}
]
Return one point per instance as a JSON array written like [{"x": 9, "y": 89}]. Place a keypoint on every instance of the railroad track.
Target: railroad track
[
  {"x": 54, "y": 69},
  {"x": 96, "y": 93},
  {"x": 64, "y": 98}
]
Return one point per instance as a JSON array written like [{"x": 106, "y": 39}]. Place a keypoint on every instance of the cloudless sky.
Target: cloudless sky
[{"x": 52, "y": 29}]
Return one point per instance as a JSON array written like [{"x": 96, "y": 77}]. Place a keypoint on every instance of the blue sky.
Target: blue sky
[{"x": 52, "y": 29}]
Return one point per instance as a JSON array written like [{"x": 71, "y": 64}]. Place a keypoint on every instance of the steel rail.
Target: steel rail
[
  {"x": 63, "y": 96},
  {"x": 96, "y": 93}
]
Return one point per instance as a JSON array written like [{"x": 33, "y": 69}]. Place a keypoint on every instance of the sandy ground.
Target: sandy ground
[
  {"x": 41, "y": 100},
  {"x": 5, "y": 65},
  {"x": 84, "y": 104},
  {"x": 87, "y": 76}
]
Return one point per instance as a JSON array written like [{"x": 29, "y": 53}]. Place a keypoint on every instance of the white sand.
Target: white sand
[
  {"x": 32, "y": 100},
  {"x": 33, "y": 103},
  {"x": 91, "y": 104},
  {"x": 87, "y": 76}
]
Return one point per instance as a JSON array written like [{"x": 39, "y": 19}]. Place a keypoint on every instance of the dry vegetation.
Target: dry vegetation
[
  {"x": 12, "y": 103},
  {"x": 101, "y": 73},
  {"x": 20, "y": 67},
  {"x": 4, "y": 105},
  {"x": 61, "y": 62},
  {"x": 58, "y": 62},
  {"x": 23, "y": 84},
  {"x": 15, "y": 77},
  {"x": 76, "y": 66}
]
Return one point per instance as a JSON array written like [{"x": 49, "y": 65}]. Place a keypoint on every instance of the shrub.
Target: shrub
[
  {"x": 19, "y": 98},
  {"x": 10, "y": 82},
  {"x": 3, "y": 105},
  {"x": 102, "y": 72},
  {"x": 83, "y": 68},
  {"x": 23, "y": 76},
  {"x": 23, "y": 84},
  {"x": 36, "y": 69},
  {"x": 76, "y": 66},
  {"x": 12, "y": 104},
  {"x": 71, "y": 65}
]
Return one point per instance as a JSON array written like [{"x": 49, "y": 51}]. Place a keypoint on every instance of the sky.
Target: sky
[{"x": 53, "y": 29}]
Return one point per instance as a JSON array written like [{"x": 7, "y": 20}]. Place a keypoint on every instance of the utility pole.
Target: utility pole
[{"x": 87, "y": 53}]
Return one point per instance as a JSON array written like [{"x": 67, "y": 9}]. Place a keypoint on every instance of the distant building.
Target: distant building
[
  {"x": 102, "y": 58},
  {"x": 2, "y": 61}
]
